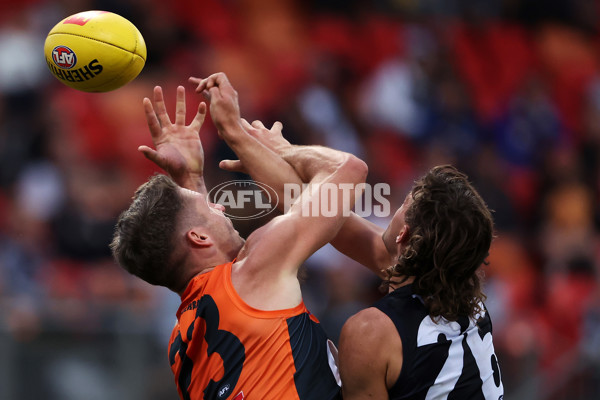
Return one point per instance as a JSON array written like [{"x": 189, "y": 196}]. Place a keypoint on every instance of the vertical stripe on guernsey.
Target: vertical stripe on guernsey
[
  {"x": 313, "y": 377},
  {"x": 221, "y": 348}
]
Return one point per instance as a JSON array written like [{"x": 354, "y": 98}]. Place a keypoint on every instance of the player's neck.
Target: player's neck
[
  {"x": 197, "y": 265},
  {"x": 400, "y": 281}
]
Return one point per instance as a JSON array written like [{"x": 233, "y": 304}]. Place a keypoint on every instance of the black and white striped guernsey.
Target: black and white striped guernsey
[{"x": 444, "y": 360}]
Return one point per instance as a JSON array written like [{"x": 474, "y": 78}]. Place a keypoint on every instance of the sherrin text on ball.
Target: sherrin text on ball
[{"x": 95, "y": 51}]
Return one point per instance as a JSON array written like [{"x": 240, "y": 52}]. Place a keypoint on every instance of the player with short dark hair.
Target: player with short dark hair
[{"x": 153, "y": 216}]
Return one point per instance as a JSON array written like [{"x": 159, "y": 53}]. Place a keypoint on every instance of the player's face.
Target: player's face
[
  {"x": 220, "y": 226},
  {"x": 391, "y": 237}
]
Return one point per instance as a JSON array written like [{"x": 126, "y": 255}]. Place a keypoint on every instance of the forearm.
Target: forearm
[
  {"x": 308, "y": 161},
  {"x": 358, "y": 238},
  {"x": 260, "y": 162},
  {"x": 287, "y": 164}
]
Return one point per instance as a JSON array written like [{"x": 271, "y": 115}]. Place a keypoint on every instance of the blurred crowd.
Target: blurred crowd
[{"x": 506, "y": 90}]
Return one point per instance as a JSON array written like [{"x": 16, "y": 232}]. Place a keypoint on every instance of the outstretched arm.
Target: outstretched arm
[
  {"x": 260, "y": 151},
  {"x": 265, "y": 166},
  {"x": 334, "y": 176},
  {"x": 178, "y": 147},
  {"x": 358, "y": 238}
]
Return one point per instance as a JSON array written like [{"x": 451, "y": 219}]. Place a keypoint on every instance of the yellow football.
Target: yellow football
[{"x": 95, "y": 51}]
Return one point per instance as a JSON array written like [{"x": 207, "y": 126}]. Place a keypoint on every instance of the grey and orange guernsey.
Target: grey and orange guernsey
[{"x": 223, "y": 349}]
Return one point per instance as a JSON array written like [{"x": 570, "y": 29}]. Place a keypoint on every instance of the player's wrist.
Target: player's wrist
[
  {"x": 233, "y": 133},
  {"x": 283, "y": 148},
  {"x": 191, "y": 180}
]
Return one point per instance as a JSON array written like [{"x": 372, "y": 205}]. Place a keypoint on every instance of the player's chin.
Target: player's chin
[
  {"x": 241, "y": 240},
  {"x": 236, "y": 246}
]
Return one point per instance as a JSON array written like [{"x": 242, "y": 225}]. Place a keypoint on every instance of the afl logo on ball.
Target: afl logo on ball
[{"x": 64, "y": 57}]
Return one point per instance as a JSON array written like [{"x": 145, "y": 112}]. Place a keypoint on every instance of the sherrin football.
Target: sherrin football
[{"x": 95, "y": 51}]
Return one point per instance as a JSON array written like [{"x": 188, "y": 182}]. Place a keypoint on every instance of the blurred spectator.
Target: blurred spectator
[
  {"x": 530, "y": 128},
  {"x": 567, "y": 239},
  {"x": 21, "y": 67},
  {"x": 322, "y": 106}
]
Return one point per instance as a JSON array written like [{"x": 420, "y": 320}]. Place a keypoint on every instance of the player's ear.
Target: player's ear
[
  {"x": 403, "y": 235},
  {"x": 199, "y": 238}
]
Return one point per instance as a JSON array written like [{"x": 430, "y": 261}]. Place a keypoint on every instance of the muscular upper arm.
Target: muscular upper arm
[{"x": 370, "y": 355}]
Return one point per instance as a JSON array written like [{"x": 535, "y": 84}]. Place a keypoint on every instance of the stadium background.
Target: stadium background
[{"x": 508, "y": 90}]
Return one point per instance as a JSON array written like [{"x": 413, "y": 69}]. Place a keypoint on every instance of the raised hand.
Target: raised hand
[
  {"x": 224, "y": 105},
  {"x": 225, "y": 113},
  {"x": 178, "y": 147},
  {"x": 271, "y": 138}
]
